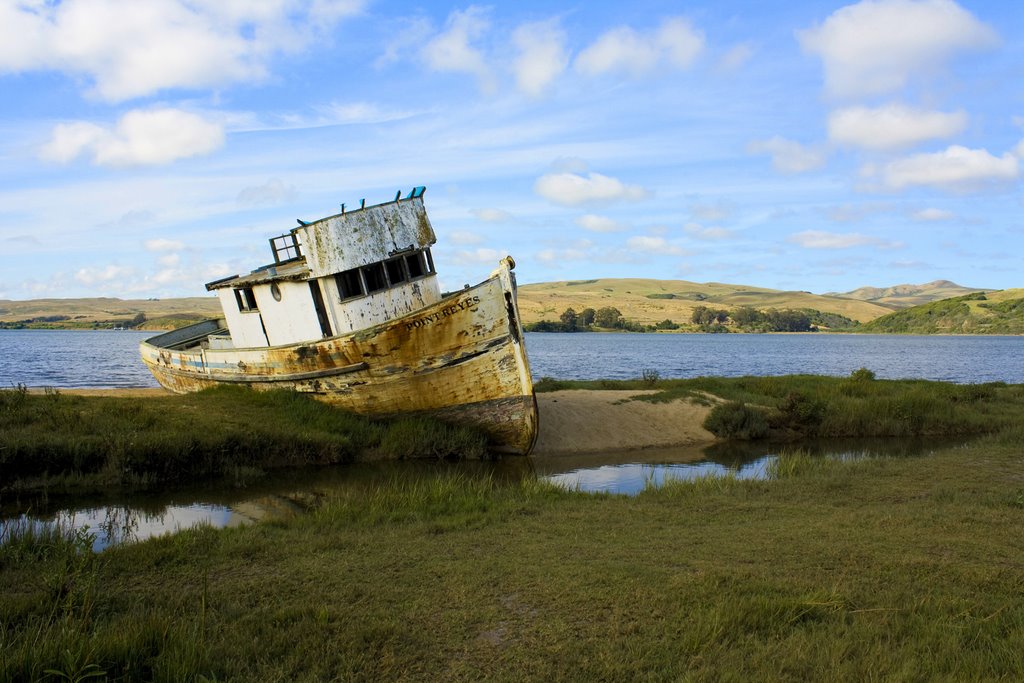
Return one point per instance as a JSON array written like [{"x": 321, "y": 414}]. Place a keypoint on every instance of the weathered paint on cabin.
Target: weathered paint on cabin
[{"x": 460, "y": 359}]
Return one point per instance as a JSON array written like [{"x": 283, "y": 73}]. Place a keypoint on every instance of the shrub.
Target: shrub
[
  {"x": 862, "y": 375},
  {"x": 736, "y": 420}
]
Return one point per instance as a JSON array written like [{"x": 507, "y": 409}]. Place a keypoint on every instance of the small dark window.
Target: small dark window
[
  {"x": 374, "y": 276},
  {"x": 246, "y": 299},
  {"x": 416, "y": 264},
  {"x": 430, "y": 261},
  {"x": 395, "y": 270},
  {"x": 350, "y": 284}
]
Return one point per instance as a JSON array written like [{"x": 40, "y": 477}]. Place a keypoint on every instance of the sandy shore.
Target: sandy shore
[{"x": 582, "y": 421}]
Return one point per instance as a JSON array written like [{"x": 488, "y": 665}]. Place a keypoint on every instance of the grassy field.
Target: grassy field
[
  {"x": 651, "y": 301},
  {"x": 882, "y": 569},
  {"x": 60, "y": 443},
  {"x": 904, "y": 569},
  {"x": 106, "y": 312},
  {"x": 1000, "y": 312}
]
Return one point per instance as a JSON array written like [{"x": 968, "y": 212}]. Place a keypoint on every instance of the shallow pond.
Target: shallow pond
[{"x": 135, "y": 517}]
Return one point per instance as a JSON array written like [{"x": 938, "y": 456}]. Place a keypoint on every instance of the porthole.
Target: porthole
[{"x": 275, "y": 291}]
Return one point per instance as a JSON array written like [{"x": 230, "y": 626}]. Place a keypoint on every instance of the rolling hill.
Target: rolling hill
[
  {"x": 906, "y": 296},
  {"x": 650, "y": 301},
  {"x": 1000, "y": 312},
  {"x": 107, "y": 312}
]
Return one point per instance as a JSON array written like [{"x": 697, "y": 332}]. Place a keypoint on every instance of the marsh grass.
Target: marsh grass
[
  {"x": 61, "y": 442},
  {"x": 816, "y": 406}
]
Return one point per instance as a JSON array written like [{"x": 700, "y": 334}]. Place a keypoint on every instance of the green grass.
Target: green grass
[
  {"x": 58, "y": 442},
  {"x": 877, "y": 569},
  {"x": 816, "y": 406}
]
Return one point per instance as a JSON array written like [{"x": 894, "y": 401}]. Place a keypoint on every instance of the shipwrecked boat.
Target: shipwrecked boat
[{"x": 351, "y": 312}]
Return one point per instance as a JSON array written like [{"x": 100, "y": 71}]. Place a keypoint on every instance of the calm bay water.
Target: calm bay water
[
  {"x": 76, "y": 359},
  {"x": 105, "y": 358}
]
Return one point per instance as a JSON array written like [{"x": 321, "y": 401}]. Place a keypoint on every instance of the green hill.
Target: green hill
[
  {"x": 1000, "y": 312},
  {"x": 906, "y": 296}
]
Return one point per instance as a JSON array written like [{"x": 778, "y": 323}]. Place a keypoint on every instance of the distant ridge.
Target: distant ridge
[
  {"x": 650, "y": 301},
  {"x": 906, "y": 296}
]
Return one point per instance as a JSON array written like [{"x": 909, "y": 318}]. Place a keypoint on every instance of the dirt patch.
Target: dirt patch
[{"x": 587, "y": 421}]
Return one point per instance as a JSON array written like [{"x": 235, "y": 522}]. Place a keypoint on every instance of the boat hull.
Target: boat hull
[{"x": 461, "y": 360}]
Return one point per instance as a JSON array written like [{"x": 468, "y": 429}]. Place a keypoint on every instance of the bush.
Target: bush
[
  {"x": 736, "y": 420},
  {"x": 862, "y": 375}
]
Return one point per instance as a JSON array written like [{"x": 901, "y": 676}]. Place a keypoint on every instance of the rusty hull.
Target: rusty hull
[{"x": 461, "y": 360}]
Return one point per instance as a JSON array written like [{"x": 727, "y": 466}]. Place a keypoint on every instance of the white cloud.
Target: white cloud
[
  {"x": 133, "y": 49},
  {"x": 98, "y": 276},
  {"x": 932, "y": 214},
  {"x": 169, "y": 260},
  {"x": 876, "y": 46},
  {"x": 161, "y": 244},
  {"x": 477, "y": 256},
  {"x": 596, "y": 223},
  {"x": 736, "y": 57},
  {"x": 140, "y": 138},
  {"x": 542, "y": 56},
  {"x": 1018, "y": 151},
  {"x": 624, "y": 50},
  {"x": 464, "y": 237},
  {"x": 570, "y": 189},
  {"x": 698, "y": 231},
  {"x": 492, "y": 215},
  {"x": 789, "y": 156},
  {"x": 274, "y": 191},
  {"x": 655, "y": 245},
  {"x": 957, "y": 168},
  {"x": 892, "y": 126},
  {"x": 452, "y": 49},
  {"x": 820, "y": 239}
]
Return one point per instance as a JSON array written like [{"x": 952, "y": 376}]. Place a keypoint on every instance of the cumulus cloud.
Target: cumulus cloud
[
  {"x": 957, "y": 168},
  {"x": 596, "y": 223},
  {"x": 875, "y": 46},
  {"x": 656, "y": 245},
  {"x": 932, "y": 214},
  {"x": 542, "y": 56},
  {"x": 675, "y": 43},
  {"x": 735, "y": 57},
  {"x": 700, "y": 232},
  {"x": 161, "y": 244},
  {"x": 140, "y": 138},
  {"x": 133, "y": 49},
  {"x": 789, "y": 156},
  {"x": 478, "y": 256},
  {"x": 464, "y": 237},
  {"x": 570, "y": 189},
  {"x": 274, "y": 191},
  {"x": 820, "y": 239},
  {"x": 97, "y": 276},
  {"x": 452, "y": 50},
  {"x": 492, "y": 215},
  {"x": 892, "y": 126}
]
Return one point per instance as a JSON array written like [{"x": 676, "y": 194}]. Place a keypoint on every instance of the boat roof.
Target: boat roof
[{"x": 275, "y": 272}]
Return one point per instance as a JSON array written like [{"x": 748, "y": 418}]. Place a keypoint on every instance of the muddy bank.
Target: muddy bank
[{"x": 577, "y": 421}]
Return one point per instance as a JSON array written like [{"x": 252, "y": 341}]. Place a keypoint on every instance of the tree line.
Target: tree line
[{"x": 704, "y": 318}]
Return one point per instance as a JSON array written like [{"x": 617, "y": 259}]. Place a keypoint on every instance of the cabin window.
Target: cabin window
[
  {"x": 246, "y": 299},
  {"x": 395, "y": 270},
  {"x": 285, "y": 248},
  {"x": 350, "y": 284},
  {"x": 374, "y": 277},
  {"x": 430, "y": 261},
  {"x": 416, "y": 264}
]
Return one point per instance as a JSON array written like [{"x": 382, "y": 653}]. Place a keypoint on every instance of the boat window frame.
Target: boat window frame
[
  {"x": 246, "y": 300},
  {"x": 287, "y": 246},
  {"x": 344, "y": 291},
  {"x": 396, "y": 263},
  {"x": 421, "y": 256}
]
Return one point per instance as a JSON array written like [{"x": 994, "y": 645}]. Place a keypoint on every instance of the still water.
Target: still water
[
  {"x": 289, "y": 493},
  {"x": 75, "y": 359},
  {"x": 107, "y": 358}
]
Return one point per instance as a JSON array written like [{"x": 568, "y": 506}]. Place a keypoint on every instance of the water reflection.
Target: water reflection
[{"x": 285, "y": 494}]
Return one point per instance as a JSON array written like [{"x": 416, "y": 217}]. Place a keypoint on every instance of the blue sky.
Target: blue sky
[{"x": 148, "y": 147}]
